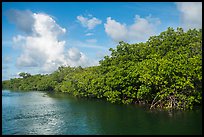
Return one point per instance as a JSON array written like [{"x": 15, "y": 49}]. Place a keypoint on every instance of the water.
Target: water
[{"x": 40, "y": 113}]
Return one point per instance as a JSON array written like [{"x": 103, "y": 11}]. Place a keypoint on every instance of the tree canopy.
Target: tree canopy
[
  {"x": 164, "y": 72},
  {"x": 24, "y": 75}
]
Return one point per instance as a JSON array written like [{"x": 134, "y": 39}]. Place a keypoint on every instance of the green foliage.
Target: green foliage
[
  {"x": 165, "y": 71},
  {"x": 24, "y": 75}
]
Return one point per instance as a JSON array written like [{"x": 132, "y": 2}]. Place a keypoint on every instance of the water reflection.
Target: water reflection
[{"x": 50, "y": 113}]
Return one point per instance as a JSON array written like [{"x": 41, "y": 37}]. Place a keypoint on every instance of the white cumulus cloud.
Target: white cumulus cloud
[
  {"x": 77, "y": 58},
  {"x": 191, "y": 14},
  {"x": 140, "y": 30},
  {"x": 116, "y": 30},
  {"x": 42, "y": 48},
  {"x": 89, "y": 23}
]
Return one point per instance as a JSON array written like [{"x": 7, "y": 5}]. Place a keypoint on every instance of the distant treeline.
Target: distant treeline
[{"x": 164, "y": 72}]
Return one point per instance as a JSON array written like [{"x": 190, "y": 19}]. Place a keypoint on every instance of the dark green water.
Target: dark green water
[{"x": 50, "y": 113}]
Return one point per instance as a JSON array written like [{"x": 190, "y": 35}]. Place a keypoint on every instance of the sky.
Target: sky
[{"x": 38, "y": 37}]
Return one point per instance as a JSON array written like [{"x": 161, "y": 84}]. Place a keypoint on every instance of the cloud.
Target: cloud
[
  {"x": 88, "y": 23},
  {"x": 80, "y": 59},
  {"x": 23, "y": 19},
  {"x": 101, "y": 54},
  {"x": 83, "y": 60},
  {"x": 191, "y": 14},
  {"x": 46, "y": 26},
  {"x": 139, "y": 31},
  {"x": 42, "y": 48},
  {"x": 74, "y": 54},
  {"x": 143, "y": 28},
  {"x": 88, "y": 34},
  {"x": 115, "y": 30},
  {"x": 18, "y": 38}
]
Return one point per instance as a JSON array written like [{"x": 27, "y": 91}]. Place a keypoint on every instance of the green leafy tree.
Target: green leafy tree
[
  {"x": 164, "y": 72},
  {"x": 24, "y": 75}
]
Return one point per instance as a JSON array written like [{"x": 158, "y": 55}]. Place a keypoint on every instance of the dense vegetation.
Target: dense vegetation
[{"x": 165, "y": 72}]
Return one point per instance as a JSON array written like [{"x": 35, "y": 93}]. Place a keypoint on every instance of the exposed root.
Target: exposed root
[{"x": 170, "y": 102}]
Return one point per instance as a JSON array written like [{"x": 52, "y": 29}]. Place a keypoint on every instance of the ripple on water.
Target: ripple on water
[{"x": 35, "y": 114}]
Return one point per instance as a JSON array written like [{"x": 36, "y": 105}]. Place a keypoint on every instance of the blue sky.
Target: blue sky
[{"x": 38, "y": 37}]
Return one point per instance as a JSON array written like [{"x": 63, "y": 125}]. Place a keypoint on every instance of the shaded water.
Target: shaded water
[{"x": 37, "y": 112}]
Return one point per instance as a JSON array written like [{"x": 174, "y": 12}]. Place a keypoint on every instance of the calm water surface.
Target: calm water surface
[{"x": 38, "y": 112}]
